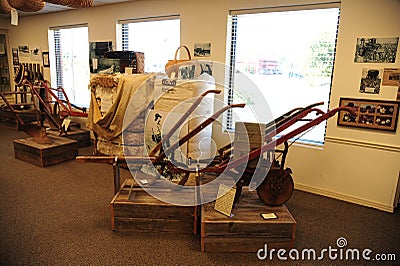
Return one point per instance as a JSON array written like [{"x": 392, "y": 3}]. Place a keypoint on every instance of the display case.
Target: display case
[{"x": 368, "y": 113}]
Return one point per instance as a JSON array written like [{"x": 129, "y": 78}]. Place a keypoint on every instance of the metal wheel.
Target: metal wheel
[{"x": 277, "y": 187}]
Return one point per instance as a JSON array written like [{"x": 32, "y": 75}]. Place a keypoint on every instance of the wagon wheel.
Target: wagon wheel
[{"x": 277, "y": 187}]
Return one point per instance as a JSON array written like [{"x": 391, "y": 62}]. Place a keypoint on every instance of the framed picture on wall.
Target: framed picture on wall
[
  {"x": 202, "y": 49},
  {"x": 372, "y": 114},
  {"x": 376, "y": 50},
  {"x": 46, "y": 60},
  {"x": 15, "y": 56}
]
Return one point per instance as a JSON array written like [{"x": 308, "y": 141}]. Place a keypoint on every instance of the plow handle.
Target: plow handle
[
  {"x": 270, "y": 145},
  {"x": 199, "y": 128},
  {"x": 112, "y": 159},
  {"x": 181, "y": 120}
]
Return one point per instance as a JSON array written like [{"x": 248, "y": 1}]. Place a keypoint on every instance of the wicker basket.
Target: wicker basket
[
  {"x": 72, "y": 3},
  {"x": 27, "y": 6},
  {"x": 5, "y": 7}
]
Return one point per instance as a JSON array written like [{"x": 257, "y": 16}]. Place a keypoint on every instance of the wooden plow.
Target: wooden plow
[
  {"x": 275, "y": 184},
  {"x": 46, "y": 106}
]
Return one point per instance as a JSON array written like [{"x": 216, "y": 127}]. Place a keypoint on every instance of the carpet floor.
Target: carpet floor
[{"x": 60, "y": 215}]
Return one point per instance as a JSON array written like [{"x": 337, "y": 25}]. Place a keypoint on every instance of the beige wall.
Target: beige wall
[{"x": 360, "y": 166}]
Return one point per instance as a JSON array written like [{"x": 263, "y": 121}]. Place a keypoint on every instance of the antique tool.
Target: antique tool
[
  {"x": 157, "y": 156},
  {"x": 61, "y": 109},
  {"x": 276, "y": 185},
  {"x": 37, "y": 132},
  {"x": 54, "y": 111}
]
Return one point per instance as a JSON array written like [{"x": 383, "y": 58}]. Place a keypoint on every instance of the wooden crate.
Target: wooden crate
[
  {"x": 62, "y": 149},
  {"x": 80, "y": 135},
  {"x": 133, "y": 209},
  {"x": 7, "y": 117},
  {"x": 246, "y": 231}
]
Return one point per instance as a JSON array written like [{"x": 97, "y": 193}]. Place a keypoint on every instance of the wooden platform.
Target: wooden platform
[
  {"x": 246, "y": 231},
  {"x": 133, "y": 209},
  {"x": 7, "y": 117},
  {"x": 62, "y": 149},
  {"x": 75, "y": 133}
]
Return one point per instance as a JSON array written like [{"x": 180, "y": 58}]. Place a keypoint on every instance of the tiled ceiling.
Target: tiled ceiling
[{"x": 54, "y": 8}]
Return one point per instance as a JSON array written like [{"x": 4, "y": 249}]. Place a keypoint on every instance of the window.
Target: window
[
  {"x": 158, "y": 38},
  {"x": 69, "y": 64},
  {"x": 289, "y": 57}
]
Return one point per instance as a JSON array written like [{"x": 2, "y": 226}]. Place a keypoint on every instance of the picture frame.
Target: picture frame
[
  {"x": 202, "y": 49},
  {"x": 46, "y": 59},
  {"x": 15, "y": 56},
  {"x": 371, "y": 114},
  {"x": 376, "y": 50}
]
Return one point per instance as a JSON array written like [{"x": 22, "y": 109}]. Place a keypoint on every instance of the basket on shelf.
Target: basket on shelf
[
  {"x": 72, "y": 3},
  {"x": 27, "y": 6},
  {"x": 5, "y": 7}
]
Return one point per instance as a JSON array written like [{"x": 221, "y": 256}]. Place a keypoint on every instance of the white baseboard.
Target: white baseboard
[{"x": 344, "y": 197}]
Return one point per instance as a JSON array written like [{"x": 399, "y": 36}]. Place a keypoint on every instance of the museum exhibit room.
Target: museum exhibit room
[{"x": 209, "y": 132}]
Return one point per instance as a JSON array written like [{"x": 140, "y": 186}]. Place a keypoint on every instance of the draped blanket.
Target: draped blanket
[{"x": 137, "y": 88}]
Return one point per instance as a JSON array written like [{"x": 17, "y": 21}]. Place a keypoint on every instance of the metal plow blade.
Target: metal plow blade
[{"x": 37, "y": 133}]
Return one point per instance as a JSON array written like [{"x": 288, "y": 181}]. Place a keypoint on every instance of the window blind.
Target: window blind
[
  {"x": 57, "y": 38},
  {"x": 68, "y": 56},
  {"x": 232, "y": 59},
  {"x": 283, "y": 8},
  {"x": 133, "y": 20},
  {"x": 58, "y": 60},
  {"x": 271, "y": 66},
  {"x": 125, "y": 37}
]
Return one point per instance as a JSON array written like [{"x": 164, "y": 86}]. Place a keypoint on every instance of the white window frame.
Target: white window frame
[
  {"x": 123, "y": 38},
  {"x": 56, "y": 72},
  {"x": 231, "y": 52}
]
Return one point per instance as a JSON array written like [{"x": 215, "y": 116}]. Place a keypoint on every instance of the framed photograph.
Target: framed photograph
[
  {"x": 46, "y": 59},
  {"x": 23, "y": 51},
  {"x": 202, "y": 49},
  {"x": 371, "y": 80},
  {"x": 15, "y": 56},
  {"x": 35, "y": 53},
  {"x": 376, "y": 50},
  {"x": 371, "y": 114},
  {"x": 391, "y": 77}
]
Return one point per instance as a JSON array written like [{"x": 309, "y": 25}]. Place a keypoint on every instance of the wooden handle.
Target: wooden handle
[{"x": 187, "y": 50}]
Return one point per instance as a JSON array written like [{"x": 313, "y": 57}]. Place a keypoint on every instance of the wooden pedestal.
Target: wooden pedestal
[
  {"x": 62, "y": 149},
  {"x": 133, "y": 209},
  {"x": 246, "y": 231}
]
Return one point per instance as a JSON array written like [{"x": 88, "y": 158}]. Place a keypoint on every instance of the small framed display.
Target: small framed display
[
  {"x": 372, "y": 114},
  {"x": 15, "y": 56},
  {"x": 46, "y": 59}
]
